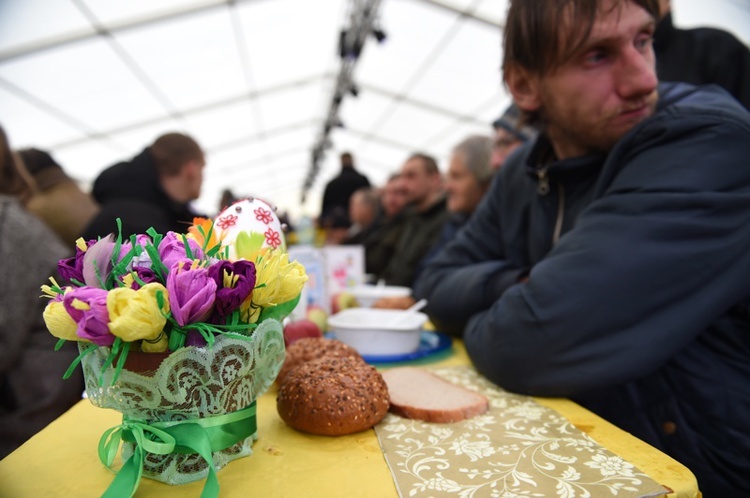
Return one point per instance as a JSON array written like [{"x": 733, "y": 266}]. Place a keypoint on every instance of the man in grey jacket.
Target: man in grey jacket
[{"x": 610, "y": 260}]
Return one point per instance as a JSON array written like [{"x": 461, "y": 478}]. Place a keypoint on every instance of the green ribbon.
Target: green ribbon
[{"x": 200, "y": 436}]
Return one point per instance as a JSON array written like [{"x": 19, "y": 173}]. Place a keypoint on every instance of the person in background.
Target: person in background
[
  {"x": 339, "y": 189},
  {"x": 364, "y": 214},
  {"x": 609, "y": 262},
  {"x": 57, "y": 200},
  {"x": 381, "y": 243},
  {"x": 32, "y": 390},
  {"x": 154, "y": 189},
  {"x": 469, "y": 174},
  {"x": 336, "y": 227},
  {"x": 509, "y": 135},
  {"x": 701, "y": 56},
  {"x": 227, "y": 199},
  {"x": 423, "y": 221}
]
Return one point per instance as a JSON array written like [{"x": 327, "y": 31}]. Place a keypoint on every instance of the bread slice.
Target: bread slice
[{"x": 418, "y": 394}]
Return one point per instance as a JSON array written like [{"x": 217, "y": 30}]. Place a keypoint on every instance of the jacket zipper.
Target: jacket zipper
[
  {"x": 560, "y": 213},
  {"x": 543, "y": 189},
  {"x": 542, "y": 186}
]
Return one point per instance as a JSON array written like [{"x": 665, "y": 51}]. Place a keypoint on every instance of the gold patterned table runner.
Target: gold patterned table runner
[{"x": 518, "y": 448}]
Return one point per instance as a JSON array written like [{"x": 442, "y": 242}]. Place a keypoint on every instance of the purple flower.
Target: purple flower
[
  {"x": 146, "y": 275},
  {"x": 191, "y": 292},
  {"x": 194, "y": 338},
  {"x": 87, "y": 306},
  {"x": 72, "y": 268},
  {"x": 235, "y": 282},
  {"x": 172, "y": 250},
  {"x": 97, "y": 260}
]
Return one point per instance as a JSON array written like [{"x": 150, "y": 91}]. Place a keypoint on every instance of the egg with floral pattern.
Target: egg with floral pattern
[{"x": 247, "y": 226}]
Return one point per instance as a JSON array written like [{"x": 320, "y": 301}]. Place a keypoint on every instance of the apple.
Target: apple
[
  {"x": 319, "y": 316},
  {"x": 299, "y": 329},
  {"x": 342, "y": 301}
]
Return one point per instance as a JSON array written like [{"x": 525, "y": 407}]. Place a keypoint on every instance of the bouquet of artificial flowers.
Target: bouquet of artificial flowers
[{"x": 213, "y": 325}]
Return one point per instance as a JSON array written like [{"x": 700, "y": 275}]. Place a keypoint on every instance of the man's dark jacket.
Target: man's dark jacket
[
  {"x": 701, "y": 56},
  {"x": 418, "y": 234},
  {"x": 640, "y": 310},
  {"x": 340, "y": 189},
  {"x": 132, "y": 192}
]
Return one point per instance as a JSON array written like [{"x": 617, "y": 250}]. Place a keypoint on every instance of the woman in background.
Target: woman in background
[{"x": 32, "y": 390}]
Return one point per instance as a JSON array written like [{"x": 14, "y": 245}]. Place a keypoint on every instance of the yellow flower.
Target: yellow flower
[
  {"x": 136, "y": 315},
  {"x": 158, "y": 345},
  {"x": 128, "y": 280},
  {"x": 59, "y": 323},
  {"x": 277, "y": 279},
  {"x": 81, "y": 244}
]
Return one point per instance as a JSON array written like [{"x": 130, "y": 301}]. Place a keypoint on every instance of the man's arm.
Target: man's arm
[
  {"x": 649, "y": 265},
  {"x": 470, "y": 272}
]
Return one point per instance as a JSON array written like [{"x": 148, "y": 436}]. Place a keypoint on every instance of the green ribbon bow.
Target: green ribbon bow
[{"x": 200, "y": 436}]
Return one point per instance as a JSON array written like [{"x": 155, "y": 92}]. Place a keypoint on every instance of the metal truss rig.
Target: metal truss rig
[{"x": 362, "y": 23}]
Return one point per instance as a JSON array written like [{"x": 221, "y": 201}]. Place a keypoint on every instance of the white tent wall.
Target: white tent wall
[{"x": 95, "y": 81}]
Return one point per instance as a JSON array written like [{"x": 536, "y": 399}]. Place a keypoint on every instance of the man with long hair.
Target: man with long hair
[{"x": 610, "y": 260}]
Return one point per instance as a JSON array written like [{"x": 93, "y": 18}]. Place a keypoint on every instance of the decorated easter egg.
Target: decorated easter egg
[{"x": 247, "y": 226}]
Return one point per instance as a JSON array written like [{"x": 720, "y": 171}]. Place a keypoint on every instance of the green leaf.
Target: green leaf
[
  {"x": 248, "y": 243},
  {"x": 279, "y": 312}
]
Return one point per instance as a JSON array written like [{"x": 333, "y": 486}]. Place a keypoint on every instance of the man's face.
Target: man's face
[
  {"x": 463, "y": 189},
  {"x": 195, "y": 179},
  {"x": 416, "y": 182},
  {"x": 605, "y": 89},
  {"x": 394, "y": 197},
  {"x": 505, "y": 143}
]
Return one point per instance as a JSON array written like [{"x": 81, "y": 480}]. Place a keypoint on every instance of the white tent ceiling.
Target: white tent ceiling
[{"x": 95, "y": 81}]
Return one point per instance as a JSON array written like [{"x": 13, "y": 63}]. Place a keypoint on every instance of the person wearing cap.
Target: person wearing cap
[
  {"x": 58, "y": 200},
  {"x": 509, "y": 135}
]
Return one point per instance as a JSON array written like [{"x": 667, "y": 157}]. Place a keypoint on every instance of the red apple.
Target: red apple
[
  {"x": 319, "y": 316},
  {"x": 299, "y": 329},
  {"x": 342, "y": 301}
]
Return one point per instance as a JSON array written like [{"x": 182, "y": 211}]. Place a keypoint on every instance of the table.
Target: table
[{"x": 62, "y": 459}]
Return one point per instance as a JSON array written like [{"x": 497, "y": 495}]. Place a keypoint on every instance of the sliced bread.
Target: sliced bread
[{"x": 418, "y": 394}]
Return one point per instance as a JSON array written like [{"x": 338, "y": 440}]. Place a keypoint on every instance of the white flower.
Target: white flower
[
  {"x": 474, "y": 450},
  {"x": 610, "y": 466},
  {"x": 529, "y": 411}
]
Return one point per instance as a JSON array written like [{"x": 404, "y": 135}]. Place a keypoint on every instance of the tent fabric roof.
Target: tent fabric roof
[{"x": 95, "y": 81}]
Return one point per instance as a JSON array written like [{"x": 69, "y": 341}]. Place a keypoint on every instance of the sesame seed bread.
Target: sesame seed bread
[
  {"x": 312, "y": 348},
  {"x": 418, "y": 394},
  {"x": 332, "y": 396}
]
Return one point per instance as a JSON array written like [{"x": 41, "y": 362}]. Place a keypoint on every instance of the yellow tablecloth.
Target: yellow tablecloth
[{"x": 62, "y": 459}]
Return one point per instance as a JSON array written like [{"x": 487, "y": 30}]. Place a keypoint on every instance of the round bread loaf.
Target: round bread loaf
[
  {"x": 313, "y": 348},
  {"x": 333, "y": 396}
]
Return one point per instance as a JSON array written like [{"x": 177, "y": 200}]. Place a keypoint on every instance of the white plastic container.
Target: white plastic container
[
  {"x": 367, "y": 294},
  {"x": 378, "y": 332}
]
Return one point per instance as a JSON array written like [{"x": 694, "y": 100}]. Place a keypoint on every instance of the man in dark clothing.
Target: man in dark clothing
[
  {"x": 340, "y": 189},
  {"x": 152, "y": 190},
  {"x": 380, "y": 245},
  {"x": 610, "y": 260},
  {"x": 701, "y": 56},
  {"x": 424, "y": 218}
]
